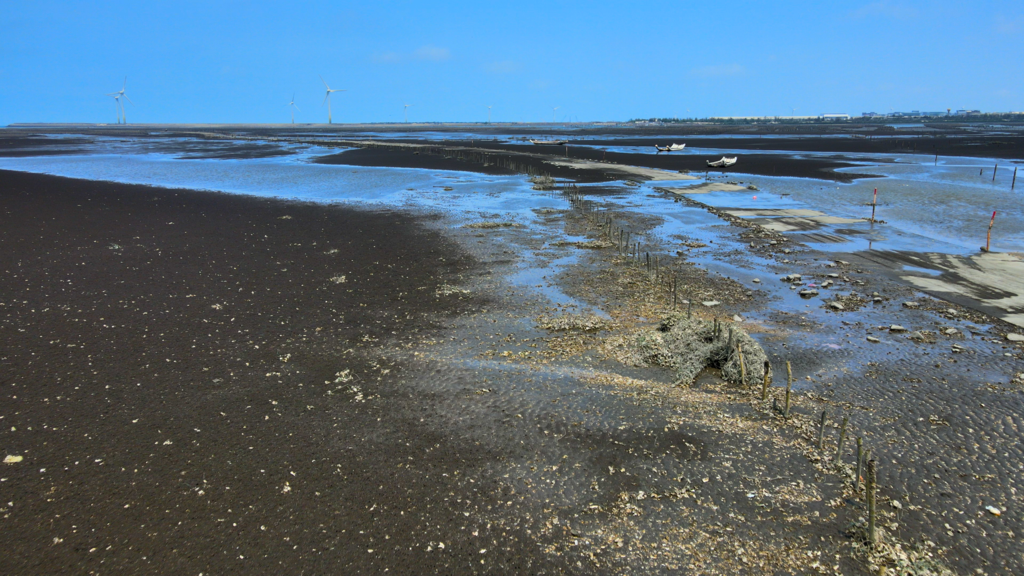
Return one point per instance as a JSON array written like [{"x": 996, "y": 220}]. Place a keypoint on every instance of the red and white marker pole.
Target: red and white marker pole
[{"x": 988, "y": 242}]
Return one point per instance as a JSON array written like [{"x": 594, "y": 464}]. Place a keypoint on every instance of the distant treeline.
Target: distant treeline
[{"x": 952, "y": 118}]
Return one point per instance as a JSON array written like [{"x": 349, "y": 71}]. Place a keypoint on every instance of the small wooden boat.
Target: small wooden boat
[
  {"x": 723, "y": 163},
  {"x": 670, "y": 147},
  {"x": 549, "y": 142}
]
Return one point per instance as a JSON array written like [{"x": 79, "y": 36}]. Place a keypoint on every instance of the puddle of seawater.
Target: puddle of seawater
[{"x": 928, "y": 271}]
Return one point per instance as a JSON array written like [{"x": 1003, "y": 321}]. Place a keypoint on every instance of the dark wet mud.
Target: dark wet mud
[
  {"x": 460, "y": 426},
  {"x": 194, "y": 383}
]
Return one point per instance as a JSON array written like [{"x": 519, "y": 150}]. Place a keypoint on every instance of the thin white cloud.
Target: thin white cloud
[
  {"x": 503, "y": 67},
  {"x": 432, "y": 53},
  {"x": 885, "y": 9},
  {"x": 386, "y": 57},
  {"x": 719, "y": 70}
]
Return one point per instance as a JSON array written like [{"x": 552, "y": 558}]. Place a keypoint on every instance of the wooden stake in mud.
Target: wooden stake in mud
[
  {"x": 994, "y": 170},
  {"x": 871, "y": 487},
  {"x": 789, "y": 386},
  {"x": 988, "y": 241},
  {"x": 936, "y": 158},
  {"x": 842, "y": 439},
  {"x": 860, "y": 464},
  {"x": 743, "y": 366},
  {"x": 1014, "y": 183},
  {"x": 730, "y": 337},
  {"x": 874, "y": 202},
  {"x": 689, "y": 308},
  {"x": 766, "y": 383},
  {"x": 821, "y": 429}
]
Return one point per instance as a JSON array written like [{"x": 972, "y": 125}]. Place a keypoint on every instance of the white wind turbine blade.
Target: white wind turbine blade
[
  {"x": 326, "y": 97},
  {"x": 296, "y": 107},
  {"x": 324, "y": 81},
  {"x": 128, "y": 99}
]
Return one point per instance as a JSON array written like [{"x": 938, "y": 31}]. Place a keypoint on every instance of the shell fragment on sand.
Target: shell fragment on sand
[{"x": 11, "y": 459}]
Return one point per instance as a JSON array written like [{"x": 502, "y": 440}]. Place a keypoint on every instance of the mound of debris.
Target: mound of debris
[{"x": 691, "y": 345}]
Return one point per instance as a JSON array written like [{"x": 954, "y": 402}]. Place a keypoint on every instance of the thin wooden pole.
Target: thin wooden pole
[
  {"x": 789, "y": 386},
  {"x": 842, "y": 440},
  {"x": 821, "y": 429},
  {"x": 860, "y": 464},
  {"x": 988, "y": 241},
  {"x": 765, "y": 383},
  {"x": 871, "y": 487},
  {"x": 743, "y": 366}
]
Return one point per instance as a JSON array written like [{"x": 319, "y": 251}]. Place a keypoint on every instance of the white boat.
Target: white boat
[
  {"x": 723, "y": 163},
  {"x": 549, "y": 142},
  {"x": 670, "y": 147}
]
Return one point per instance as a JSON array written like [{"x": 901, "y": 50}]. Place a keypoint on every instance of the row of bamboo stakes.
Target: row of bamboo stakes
[{"x": 865, "y": 475}]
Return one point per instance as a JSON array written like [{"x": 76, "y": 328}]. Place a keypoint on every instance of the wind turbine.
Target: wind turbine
[
  {"x": 294, "y": 108},
  {"x": 489, "y": 114},
  {"x": 553, "y": 110},
  {"x": 120, "y": 94},
  {"x": 117, "y": 104},
  {"x": 327, "y": 99},
  {"x": 407, "y": 113}
]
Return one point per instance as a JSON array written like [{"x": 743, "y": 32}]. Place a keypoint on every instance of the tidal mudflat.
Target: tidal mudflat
[{"x": 354, "y": 367}]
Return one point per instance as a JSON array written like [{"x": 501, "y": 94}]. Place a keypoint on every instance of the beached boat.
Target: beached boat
[
  {"x": 723, "y": 163},
  {"x": 670, "y": 147},
  {"x": 549, "y": 142}
]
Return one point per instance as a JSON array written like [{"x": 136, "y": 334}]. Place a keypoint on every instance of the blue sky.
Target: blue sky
[{"x": 241, "y": 61}]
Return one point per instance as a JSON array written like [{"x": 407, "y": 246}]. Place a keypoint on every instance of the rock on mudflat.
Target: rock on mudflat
[
  {"x": 808, "y": 292},
  {"x": 873, "y": 340},
  {"x": 919, "y": 336},
  {"x": 1013, "y": 337},
  {"x": 911, "y": 305},
  {"x": 897, "y": 328},
  {"x": 836, "y": 306},
  {"x": 792, "y": 278},
  {"x": 711, "y": 303}
]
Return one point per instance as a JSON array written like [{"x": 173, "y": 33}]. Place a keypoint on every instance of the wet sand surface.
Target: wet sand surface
[
  {"x": 559, "y": 456},
  {"x": 195, "y": 383}
]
